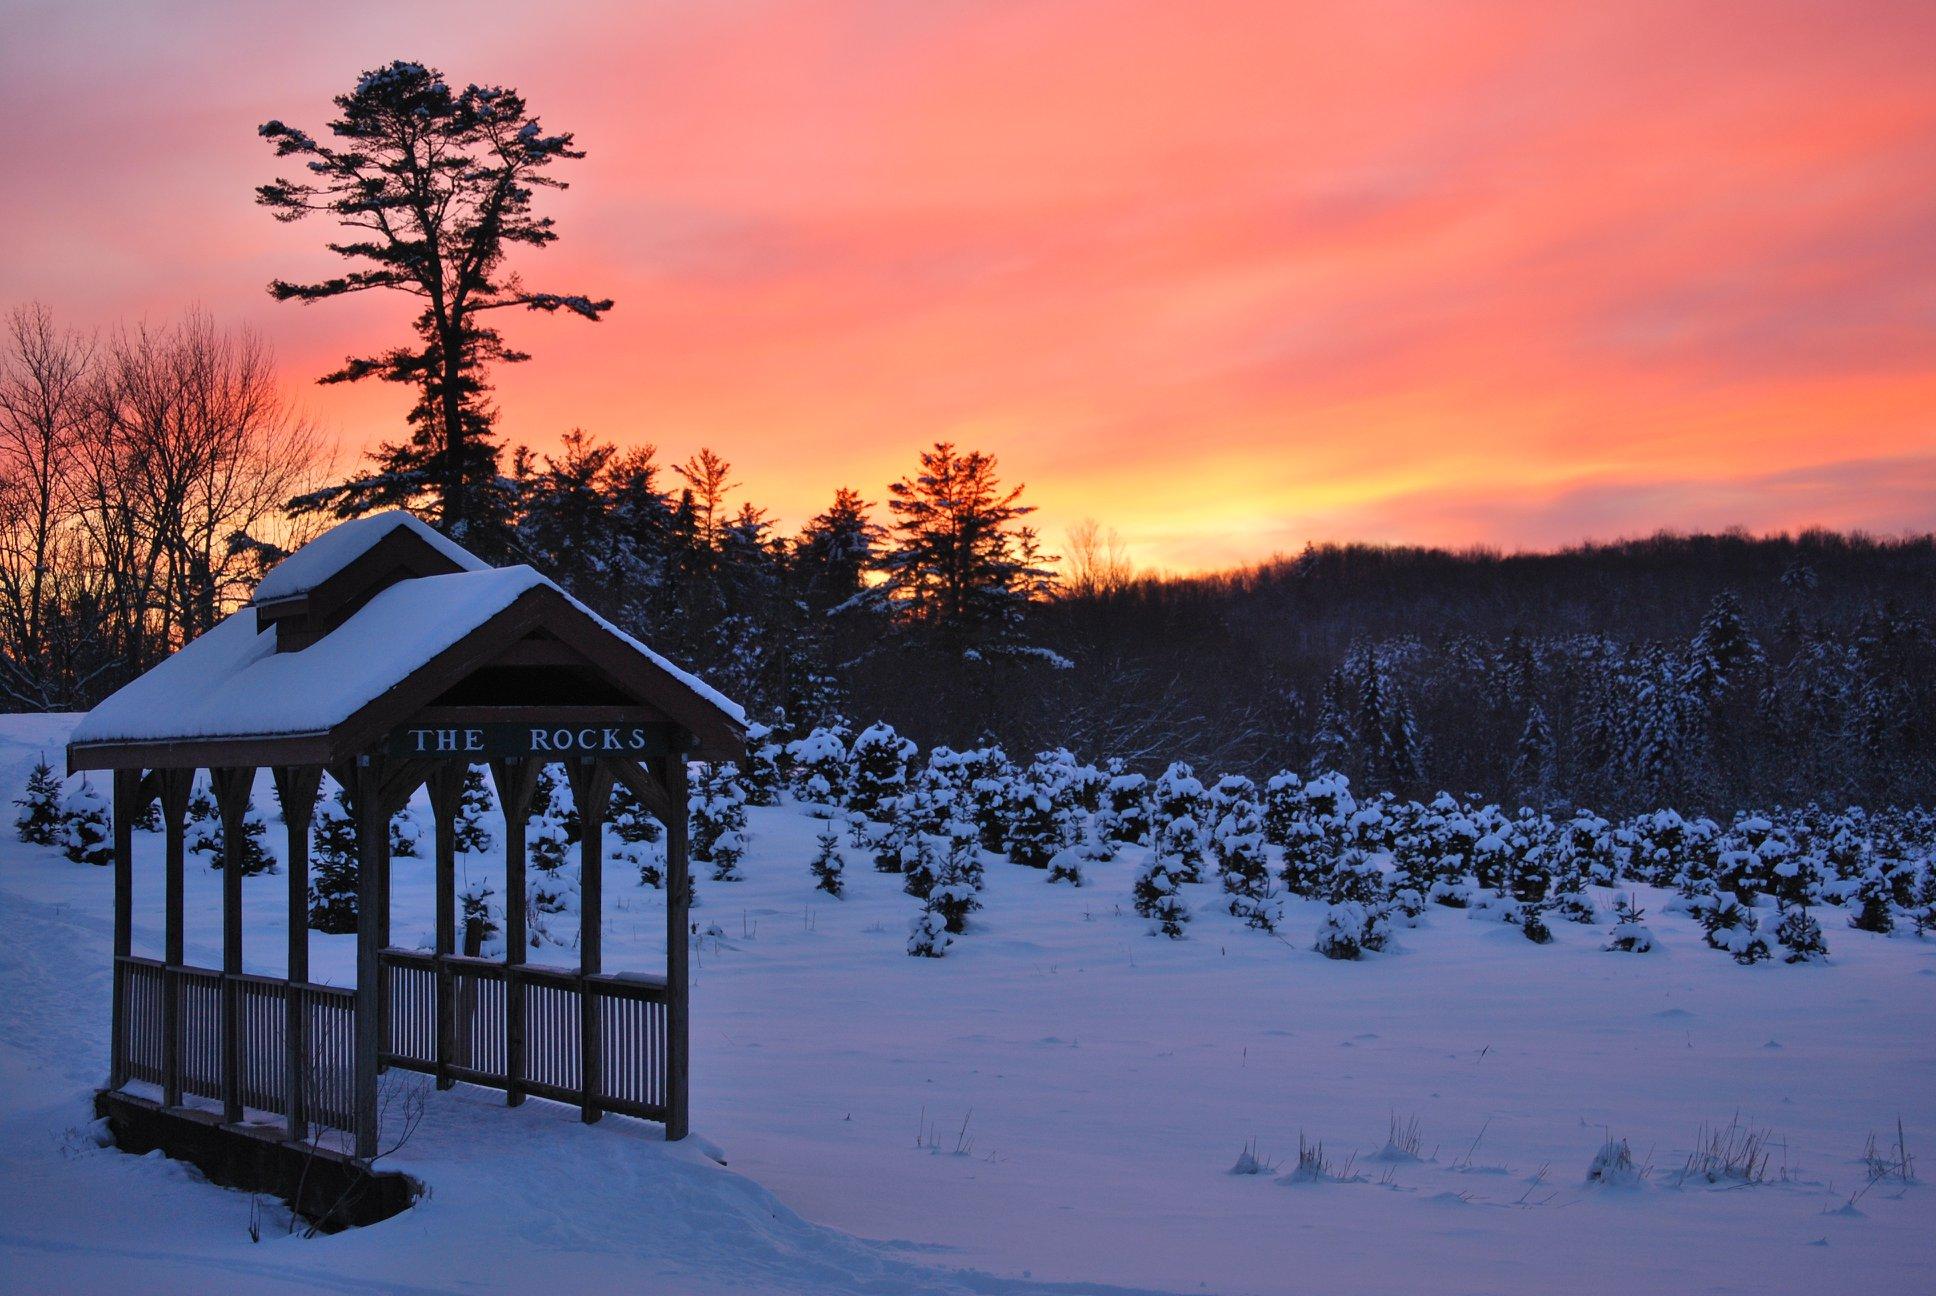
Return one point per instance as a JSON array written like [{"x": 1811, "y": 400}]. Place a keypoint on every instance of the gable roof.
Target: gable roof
[
  {"x": 395, "y": 653},
  {"x": 341, "y": 545}
]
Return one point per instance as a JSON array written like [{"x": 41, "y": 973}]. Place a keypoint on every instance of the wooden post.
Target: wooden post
[
  {"x": 372, "y": 843},
  {"x": 591, "y": 791},
  {"x": 678, "y": 900},
  {"x": 127, "y": 803},
  {"x": 516, "y": 779},
  {"x": 296, "y": 787},
  {"x": 446, "y": 798},
  {"x": 175, "y": 787},
  {"x": 233, "y": 785}
]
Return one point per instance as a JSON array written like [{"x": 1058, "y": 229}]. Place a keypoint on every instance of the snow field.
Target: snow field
[{"x": 1059, "y": 1100}]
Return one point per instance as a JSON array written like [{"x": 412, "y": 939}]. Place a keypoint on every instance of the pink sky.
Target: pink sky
[{"x": 1223, "y": 276}]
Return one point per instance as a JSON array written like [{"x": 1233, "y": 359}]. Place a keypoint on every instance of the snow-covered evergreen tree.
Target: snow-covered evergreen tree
[
  {"x": 1630, "y": 934},
  {"x": 1158, "y": 898},
  {"x": 956, "y": 892},
  {"x": 716, "y": 822},
  {"x": 820, "y": 770},
  {"x": 878, "y": 769},
  {"x": 86, "y": 835},
  {"x": 1800, "y": 936},
  {"x": 1722, "y": 651},
  {"x": 760, "y": 772},
  {"x": 1355, "y": 918},
  {"x": 1283, "y": 804},
  {"x": 406, "y": 835},
  {"x": 1041, "y": 822},
  {"x": 476, "y": 921},
  {"x": 631, "y": 822},
  {"x": 1241, "y": 856},
  {"x": 928, "y": 935},
  {"x": 1922, "y": 908},
  {"x": 1125, "y": 812},
  {"x": 333, "y": 867},
  {"x": 1874, "y": 902},
  {"x": 988, "y": 788},
  {"x": 546, "y": 843},
  {"x": 1731, "y": 927},
  {"x": 476, "y": 809},
  {"x": 39, "y": 820},
  {"x": 828, "y": 865}
]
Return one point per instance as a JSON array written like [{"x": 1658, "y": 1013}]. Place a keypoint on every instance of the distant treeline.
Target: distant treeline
[{"x": 1713, "y": 670}]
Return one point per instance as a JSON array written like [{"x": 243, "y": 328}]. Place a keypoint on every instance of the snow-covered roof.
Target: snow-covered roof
[
  {"x": 232, "y": 683},
  {"x": 343, "y": 544}
]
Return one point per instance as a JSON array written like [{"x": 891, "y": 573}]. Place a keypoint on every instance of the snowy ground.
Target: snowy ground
[{"x": 1105, "y": 1081}]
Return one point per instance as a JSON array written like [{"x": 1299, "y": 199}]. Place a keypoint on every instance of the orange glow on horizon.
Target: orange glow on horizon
[{"x": 1225, "y": 277}]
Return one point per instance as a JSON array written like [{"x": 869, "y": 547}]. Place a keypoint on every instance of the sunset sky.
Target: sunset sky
[{"x": 1226, "y": 277}]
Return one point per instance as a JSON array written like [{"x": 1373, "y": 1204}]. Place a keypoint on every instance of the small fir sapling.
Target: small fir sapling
[
  {"x": 1066, "y": 865},
  {"x": 406, "y": 835},
  {"x": 477, "y": 924},
  {"x": 201, "y": 800},
  {"x": 646, "y": 857},
  {"x": 987, "y": 777},
  {"x": 962, "y": 852},
  {"x": 1922, "y": 909},
  {"x": 1125, "y": 813},
  {"x": 1532, "y": 924},
  {"x": 554, "y": 798},
  {"x": 86, "y": 836},
  {"x": 760, "y": 773},
  {"x": 878, "y": 764},
  {"x": 1239, "y": 845},
  {"x": 1730, "y": 927},
  {"x": 820, "y": 770},
  {"x": 631, "y": 822},
  {"x": 1354, "y": 920},
  {"x": 920, "y": 867},
  {"x": 827, "y": 864},
  {"x": 716, "y": 823},
  {"x": 39, "y": 820},
  {"x": 476, "y": 807},
  {"x": 957, "y": 889},
  {"x": 1157, "y": 897},
  {"x": 207, "y": 839},
  {"x": 546, "y": 843},
  {"x": 1800, "y": 936},
  {"x": 1040, "y": 824},
  {"x": 1629, "y": 934},
  {"x": 1179, "y": 795},
  {"x": 1226, "y": 792},
  {"x": 333, "y": 871},
  {"x": 1283, "y": 802},
  {"x": 928, "y": 935},
  {"x": 1874, "y": 903}
]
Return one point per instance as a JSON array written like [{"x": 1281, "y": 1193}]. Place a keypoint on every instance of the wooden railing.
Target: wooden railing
[
  {"x": 193, "y": 1000},
  {"x": 596, "y": 1041},
  {"x": 523, "y": 1028}
]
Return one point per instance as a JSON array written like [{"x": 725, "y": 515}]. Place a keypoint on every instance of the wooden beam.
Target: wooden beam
[
  {"x": 646, "y": 787},
  {"x": 296, "y": 787},
  {"x": 446, "y": 799},
  {"x": 591, "y": 792},
  {"x": 372, "y": 843},
  {"x": 678, "y": 901},
  {"x": 199, "y": 753},
  {"x": 516, "y": 780},
  {"x": 173, "y": 788},
  {"x": 233, "y": 785},
  {"x": 127, "y": 804}
]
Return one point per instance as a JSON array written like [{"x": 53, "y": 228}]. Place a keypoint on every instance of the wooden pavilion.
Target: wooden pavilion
[{"x": 391, "y": 658}]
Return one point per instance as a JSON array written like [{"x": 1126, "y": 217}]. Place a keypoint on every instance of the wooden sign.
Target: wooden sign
[{"x": 480, "y": 742}]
